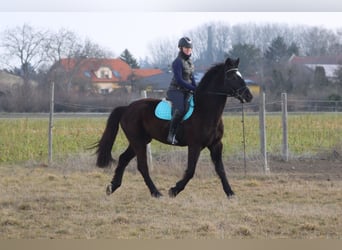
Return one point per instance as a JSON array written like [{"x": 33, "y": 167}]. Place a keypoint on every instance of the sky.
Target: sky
[
  {"x": 136, "y": 30},
  {"x": 135, "y": 24}
]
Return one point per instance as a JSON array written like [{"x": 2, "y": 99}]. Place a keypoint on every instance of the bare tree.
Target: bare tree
[
  {"x": 89, "y": 49},
  {"x": 163, "y": 52},
  {"x": 67, "y": 45},
  {"x": 62, "y": 44},
  {"x": 26, "y": 45},
  {"x": 211, "y": 41}
]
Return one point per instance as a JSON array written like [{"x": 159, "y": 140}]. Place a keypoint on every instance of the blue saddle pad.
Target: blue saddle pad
[{"x": 163, "y": 109}]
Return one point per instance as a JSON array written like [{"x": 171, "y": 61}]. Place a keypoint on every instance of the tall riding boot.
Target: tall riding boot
[{"x": 176, "y": 119}]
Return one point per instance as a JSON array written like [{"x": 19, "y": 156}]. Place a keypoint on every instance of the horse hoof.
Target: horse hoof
[
  {"x": 172, "y": 193},
  {"x": 157, "y": 194},
  {"x": 109, "y": 189},
  {"x": 231, "y": 195}
]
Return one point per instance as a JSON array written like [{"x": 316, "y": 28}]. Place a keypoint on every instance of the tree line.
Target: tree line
[{"x": 263, "y": 51}]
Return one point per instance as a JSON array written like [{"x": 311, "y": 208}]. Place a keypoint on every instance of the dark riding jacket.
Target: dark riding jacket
[
  {"x": 182, "y": 83},
  {"x": 183, "y": 70}
]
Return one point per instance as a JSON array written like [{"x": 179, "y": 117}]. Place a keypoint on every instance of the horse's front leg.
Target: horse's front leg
[
  {"x": 143, "y": 169},
  {"x": 216, "y": 157},
  {"x": 193, "y": 154}
]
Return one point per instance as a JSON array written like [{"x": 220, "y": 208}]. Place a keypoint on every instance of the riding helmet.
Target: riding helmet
[{"x": 185, "y": 42}]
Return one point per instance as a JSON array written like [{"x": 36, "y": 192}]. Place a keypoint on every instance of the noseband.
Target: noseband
[
  {"x": 232, "y": 69},
  {"x": 235, "y": 93}
]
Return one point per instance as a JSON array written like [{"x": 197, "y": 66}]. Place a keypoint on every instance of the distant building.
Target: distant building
[
  {"x": 156, "y": 83},
  {"x": 161, "y": 82},
  {"x": 253, "y": 86},
  {"x": 329, "y": 63},
  {"x": 105, "y": 75},
  {"x": 10, "y": 82}
]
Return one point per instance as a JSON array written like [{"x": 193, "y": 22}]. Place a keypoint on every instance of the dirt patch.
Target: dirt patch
[{"x": 309, "y": 169}]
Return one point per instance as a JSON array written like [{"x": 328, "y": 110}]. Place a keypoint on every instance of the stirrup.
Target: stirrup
[{"x": 172, "y": 140}]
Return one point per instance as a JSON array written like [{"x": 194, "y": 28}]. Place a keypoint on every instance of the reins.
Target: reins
[{"x": 234, "y": 94}]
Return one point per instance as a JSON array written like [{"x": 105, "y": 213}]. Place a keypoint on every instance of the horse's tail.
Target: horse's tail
[{"x": 105, "y": 144}]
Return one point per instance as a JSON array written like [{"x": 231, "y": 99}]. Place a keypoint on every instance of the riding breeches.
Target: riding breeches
[{"x": 179, "y": 100}]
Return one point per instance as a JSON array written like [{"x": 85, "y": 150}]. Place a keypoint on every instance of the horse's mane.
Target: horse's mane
[{"x": 211, "y": 72}]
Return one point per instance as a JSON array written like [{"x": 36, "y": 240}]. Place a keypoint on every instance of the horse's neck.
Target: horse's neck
[{"x": 210, "y": 106}]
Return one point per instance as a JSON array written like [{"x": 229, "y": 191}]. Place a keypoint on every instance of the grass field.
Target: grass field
[
  {"x": 300, "y": 199},
  {"x": 25, "y": 139},
  {"x": 68, "y": 201}
]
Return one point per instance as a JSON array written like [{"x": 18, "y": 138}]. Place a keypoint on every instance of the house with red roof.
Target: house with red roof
[{"x": 105, "y": 74}]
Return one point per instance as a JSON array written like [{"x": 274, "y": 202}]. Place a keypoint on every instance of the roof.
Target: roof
[
  {"x": 318, "y": 60},
  {"x": 158, "y": 81},
  {"x": 90, "y": 65},
  {"x": 8, "y": 79},
  {"x": 87, "y": 67},
  {"x": 141, "y": 73},
  {"x": 329, "y": 63}
]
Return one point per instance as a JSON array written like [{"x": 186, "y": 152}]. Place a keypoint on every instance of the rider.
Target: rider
[{"x": 181, "y": 87}]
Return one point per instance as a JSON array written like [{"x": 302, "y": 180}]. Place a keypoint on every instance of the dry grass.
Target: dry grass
[{"x": 68, "y": 201}]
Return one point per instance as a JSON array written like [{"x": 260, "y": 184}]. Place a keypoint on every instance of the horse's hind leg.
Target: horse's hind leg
[
  {"x": 193, "y": 155},
  {"x": 216, "y": 157},
  {"x": 124, "y": 159}
]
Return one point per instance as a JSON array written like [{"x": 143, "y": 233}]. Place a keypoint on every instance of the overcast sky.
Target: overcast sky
[
  {"x": 172, "y": 5},
  {"x": 134, "y": 24},
  {"x": 117, "y": 30}
]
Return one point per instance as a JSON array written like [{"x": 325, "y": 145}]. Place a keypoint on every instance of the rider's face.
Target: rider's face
[{"x": 186, "y": 51}]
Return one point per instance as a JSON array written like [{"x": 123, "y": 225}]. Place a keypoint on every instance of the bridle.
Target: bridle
[
  {"x": 232, "y": 69},
  {"x": 234, "y": 93}
]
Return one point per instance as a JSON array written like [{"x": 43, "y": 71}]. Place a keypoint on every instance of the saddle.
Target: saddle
[{"x": 164, "y": 107}]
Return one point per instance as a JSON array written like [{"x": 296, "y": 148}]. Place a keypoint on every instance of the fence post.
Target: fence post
[
  {"x": 284, "y": 125},
  {"x": 51, "y": 121},
  {"x": 244, "y": 138},
  {"x": 262, "y": 127},
  {"x": 148, "y": 148}
]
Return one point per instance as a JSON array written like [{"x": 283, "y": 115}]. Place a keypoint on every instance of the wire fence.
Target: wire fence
[
  {"x": 314, "y": 131},
  {"x": 307, "y": 130}
]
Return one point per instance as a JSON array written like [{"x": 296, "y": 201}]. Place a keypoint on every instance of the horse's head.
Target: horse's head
[{"x": 234, "y": 84}]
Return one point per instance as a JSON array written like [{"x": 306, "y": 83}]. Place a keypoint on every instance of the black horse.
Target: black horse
[{"x": 203, "y": 129}]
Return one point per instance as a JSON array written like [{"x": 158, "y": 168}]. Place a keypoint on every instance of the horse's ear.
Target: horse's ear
[
  {"x": 228, "y": 62},
  {"x": 237, "y": 61},
  {"x": 231, "y": 62}
]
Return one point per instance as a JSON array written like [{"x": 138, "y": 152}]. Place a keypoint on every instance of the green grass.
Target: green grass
[
  {"x": 307, "y": 133},
  {"x": 23, "y": 139}
]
